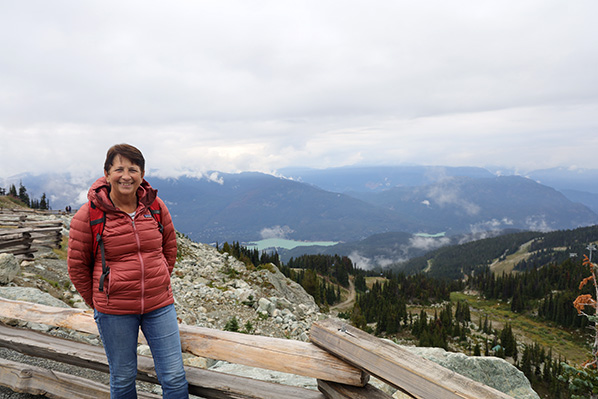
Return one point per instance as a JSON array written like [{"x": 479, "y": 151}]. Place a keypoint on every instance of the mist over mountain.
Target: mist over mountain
[{"x": 387, "y": 249}]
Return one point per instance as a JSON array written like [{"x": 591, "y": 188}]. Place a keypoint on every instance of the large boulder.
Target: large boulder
[
  {"x": 289, "y": 289},
  {"x": 491, "y": 371},
  {"x": 9, "y": 268}
]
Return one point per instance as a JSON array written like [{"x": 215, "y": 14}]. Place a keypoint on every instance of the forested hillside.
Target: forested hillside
[{"x": 459, "y": 261}]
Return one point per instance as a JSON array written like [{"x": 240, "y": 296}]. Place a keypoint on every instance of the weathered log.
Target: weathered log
[
  {"x": 205, "y": 383},
  {"x": 75, "y": 319},
  {"x": 21, "y": 230},
  {"x": 15, "y": 242},
  {"x": 21, "y": 250},
  {"x": 296, "y": 357},
  {"x": 46, "y": 230},
  {"x": 333, "y": 390},
  {"x": 400, "y": 368},
  {"x": 11, "y": 218},
  {"x": 14, "y": 237},
  {"x": 289, "y": 356},
  {"x": 47, "y": 239},
  {"x": 33, "y": 380},
  {"x": 43, "y": 223}
]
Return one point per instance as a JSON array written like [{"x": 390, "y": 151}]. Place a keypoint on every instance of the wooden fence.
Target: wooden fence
[
  {"x": 339, "y": 356},
  {"x": 22, "y": 232}
]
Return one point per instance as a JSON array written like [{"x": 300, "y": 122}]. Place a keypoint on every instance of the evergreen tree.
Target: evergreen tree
[
  {"x": 311, "y": 285},
  {"x": 526, "y": 363},
  {"x": 508, "y": 342},
  {"x": 360, "y": 284},
  {"x": 23, "y": 196}
]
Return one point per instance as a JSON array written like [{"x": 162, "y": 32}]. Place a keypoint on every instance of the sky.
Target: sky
[{"x": 262, "y": 85}]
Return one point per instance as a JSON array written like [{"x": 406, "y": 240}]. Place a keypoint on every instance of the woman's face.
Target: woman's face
[{"x": 124, "y": 177}]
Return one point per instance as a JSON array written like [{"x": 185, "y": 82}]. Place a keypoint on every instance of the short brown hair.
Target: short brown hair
[{"x": 125, "y": 151}]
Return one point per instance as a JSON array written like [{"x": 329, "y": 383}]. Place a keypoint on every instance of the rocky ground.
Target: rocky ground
[{"x": 211, "y": 289}]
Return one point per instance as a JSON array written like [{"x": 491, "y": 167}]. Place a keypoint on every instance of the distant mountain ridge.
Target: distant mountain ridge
[
  {"x": 462, "y": 204},
  {"x": 250, "y": 206}
]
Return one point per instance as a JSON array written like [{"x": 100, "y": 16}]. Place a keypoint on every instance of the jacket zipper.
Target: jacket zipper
[{"x": 142, "y": 266}]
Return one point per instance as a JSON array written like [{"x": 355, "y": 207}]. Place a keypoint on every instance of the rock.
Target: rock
[
  {"x": 264, "y": 306},
  {"x": 27, "y": 263},
  {"x": 9, "y": 268},
  {"x": 29, "y": 294},
  {"x": 488, "y": 370},
  {"x": 197, "y": 361},
  {"x": 144, "y": 350},
  {"x": 266, "y": 375},
  {"x": 290, "y": 290}
]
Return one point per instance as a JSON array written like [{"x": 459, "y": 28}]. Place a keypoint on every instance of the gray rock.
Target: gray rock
[
  {"x": 290, "y": 290},
  {"x": 492, "y": 371},
  {"x": 9, "y": 268},
  {"x": 29, "y": 294},
  {"x": 266, "y": 375}
]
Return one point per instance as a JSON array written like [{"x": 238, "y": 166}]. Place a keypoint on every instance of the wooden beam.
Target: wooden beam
[
  {"x": 404, "y": 370},
  {"x": 289, "y": 356},
  {"x": 27, "y": 251},
  {"x": 16, "y": 243},
  {"x": 33, "y": 380},
  {"x": 21, "y": 230},
  {"x": 333, "y": 390},
  {"x": 74, "y": 319},
  {"x": 204, "y": 383}
]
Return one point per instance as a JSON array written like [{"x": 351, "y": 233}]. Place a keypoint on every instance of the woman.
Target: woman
[{"x": 133, "y": 289}]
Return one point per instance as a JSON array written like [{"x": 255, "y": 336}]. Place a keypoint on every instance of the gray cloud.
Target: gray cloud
[
  {"x": 233, "y": 86},
  {"x": 275, "y": 232},
  {"x": 446, "y": 193}
]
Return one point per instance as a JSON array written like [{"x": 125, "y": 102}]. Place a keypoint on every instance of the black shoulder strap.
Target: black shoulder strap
[{"x": 97, "y": 221}]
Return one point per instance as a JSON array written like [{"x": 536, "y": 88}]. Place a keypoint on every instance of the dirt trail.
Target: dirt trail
[{"x": 347, "y": 303}]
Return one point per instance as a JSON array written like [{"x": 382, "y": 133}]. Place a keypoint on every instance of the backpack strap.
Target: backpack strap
[
  {"x": 97, "y": 221},
  {"x": 157, "y": 215}
]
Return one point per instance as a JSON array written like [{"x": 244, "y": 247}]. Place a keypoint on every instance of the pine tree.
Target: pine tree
[
  {"x": 507, "y": 341},
  {"x": 23, "y": 196}
]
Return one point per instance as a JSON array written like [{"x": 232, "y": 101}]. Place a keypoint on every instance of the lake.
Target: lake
[{"x": 286, "y": 244}]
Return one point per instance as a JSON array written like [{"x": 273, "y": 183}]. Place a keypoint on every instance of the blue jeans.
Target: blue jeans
[{"x": 119, "y": 334}]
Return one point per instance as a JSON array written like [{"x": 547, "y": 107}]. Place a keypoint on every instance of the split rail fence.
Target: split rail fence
[
  {"x": 22, "y": 232},
  {"x": 339, "y": 356}
]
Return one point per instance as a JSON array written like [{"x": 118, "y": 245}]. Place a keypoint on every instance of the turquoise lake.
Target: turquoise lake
[{"x": 286, "y": 244}]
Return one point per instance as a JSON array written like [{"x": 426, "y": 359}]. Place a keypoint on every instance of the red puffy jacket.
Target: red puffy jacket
[{"x": 140, "y": 258}]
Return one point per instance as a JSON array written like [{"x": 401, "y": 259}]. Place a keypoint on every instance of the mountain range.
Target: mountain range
[{"x": 416, "y": 207}]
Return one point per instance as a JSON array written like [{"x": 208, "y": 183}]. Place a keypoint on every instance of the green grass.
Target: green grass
[
  {"x": 6, "y": 201},
  {"x": 570, "y": 344}
]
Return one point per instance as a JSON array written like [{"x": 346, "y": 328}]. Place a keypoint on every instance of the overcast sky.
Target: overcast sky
[{"x": 261, "y": 85}]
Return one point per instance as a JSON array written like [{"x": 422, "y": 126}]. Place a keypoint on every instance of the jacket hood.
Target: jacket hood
[{"x": 100, "y": 190}]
